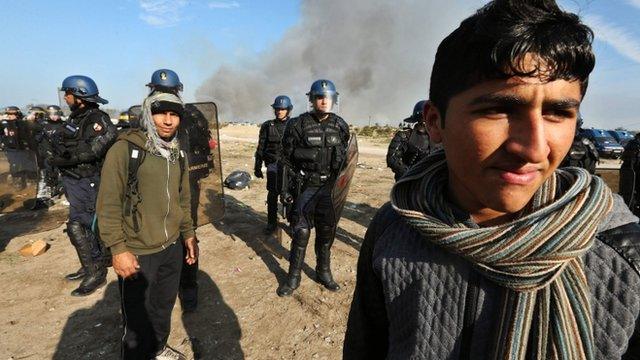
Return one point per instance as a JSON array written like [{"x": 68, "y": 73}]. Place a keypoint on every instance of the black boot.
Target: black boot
[
  {"x": 95, "y": 271},
  {"x": 324, "y": 240},
  {"x": 296, "y": 259},
  {"x": 76, "y": 275}
]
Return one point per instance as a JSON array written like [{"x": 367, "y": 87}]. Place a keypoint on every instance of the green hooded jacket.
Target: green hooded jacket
[{"x": 164, "y": 212}]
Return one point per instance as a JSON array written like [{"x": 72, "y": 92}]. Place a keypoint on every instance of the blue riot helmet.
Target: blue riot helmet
[
  {"x": 14, "y": 111},
  {"x": 165, "y": 80},
  {"x": 282, "y": 102},
  {"x": 418, "y": 110},
  {"x": 323, "y": 88},
  {"x": 82, "y": 87}
]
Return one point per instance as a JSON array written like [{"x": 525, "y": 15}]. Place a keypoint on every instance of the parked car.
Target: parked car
[
  {"x": 606, "y": 145},
  {"x": 621, "y": 136}
]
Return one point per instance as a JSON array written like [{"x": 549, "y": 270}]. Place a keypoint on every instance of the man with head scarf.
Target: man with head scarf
[{"x": 144, "y": 212}]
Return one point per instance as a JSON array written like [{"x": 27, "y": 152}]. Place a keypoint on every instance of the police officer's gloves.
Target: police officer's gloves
[{"x": 258, "y": 173}]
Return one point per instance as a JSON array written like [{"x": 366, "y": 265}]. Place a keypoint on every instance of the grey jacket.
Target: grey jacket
[{"x": 414, "y": 300}]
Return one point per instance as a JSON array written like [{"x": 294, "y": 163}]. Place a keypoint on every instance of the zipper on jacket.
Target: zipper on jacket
[
  {"x": 470, "y": 312},
  {"x": 166, "y": 233}
]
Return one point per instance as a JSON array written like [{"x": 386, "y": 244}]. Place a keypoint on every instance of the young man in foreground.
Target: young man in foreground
[
  {"x": 144, "y": 211},
  {"x": 487, "y": 250}
]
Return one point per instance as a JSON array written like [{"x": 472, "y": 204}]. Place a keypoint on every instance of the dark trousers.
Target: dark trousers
[
  {"x": 274, "y": 180},
  {"x": 147, "y": 299},
  {"x": 314, "y": 207},
  {"x": 82, "y": 195}
]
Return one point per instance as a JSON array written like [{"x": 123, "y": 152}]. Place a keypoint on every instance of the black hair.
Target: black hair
[{"x": 493, "y": 43}]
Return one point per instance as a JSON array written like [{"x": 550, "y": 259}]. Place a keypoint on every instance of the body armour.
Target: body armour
[
  {"x": 87, "y": 144},
  {"x": 270, "y": 141},
  {"x": 628, "y": 182},
  {"x": 14, "y": 134},
  {"x": 316, "y": 149},
  {"x": 582, "y": 154},
  {"x": 406, "y": 148}
]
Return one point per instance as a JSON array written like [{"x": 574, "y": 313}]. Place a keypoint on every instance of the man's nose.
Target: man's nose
[{"x": 528, "y": 137}]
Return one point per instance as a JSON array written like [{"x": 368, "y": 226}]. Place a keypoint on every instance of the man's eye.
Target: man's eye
[
  {"x": 559, "y": 115},
  {"x": 494, "y": 111}
]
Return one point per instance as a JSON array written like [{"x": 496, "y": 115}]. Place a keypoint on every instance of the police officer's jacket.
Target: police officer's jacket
[
  {"x": 14, "y": 134},
  {"x": 270, "y": 141},
  {"x": 405, "y": 149},
  {"x": 583, "y": 153},
  {"x": 87, "y": 147},
  {"x": 629, "y": 174},
  {"x": 413, "y": 300},
  {"x": 314, "y": 149}
]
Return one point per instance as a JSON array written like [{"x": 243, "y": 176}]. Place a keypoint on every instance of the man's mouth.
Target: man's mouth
[{"x": 522, "y": 175}]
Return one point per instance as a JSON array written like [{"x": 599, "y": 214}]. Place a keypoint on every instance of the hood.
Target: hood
[{"x": 135, "y": 136}]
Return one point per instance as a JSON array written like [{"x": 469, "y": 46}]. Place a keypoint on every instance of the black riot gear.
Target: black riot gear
[
  {"x": 583, "y": 153},
  {"x": 407, "y": 147},
  {"x": 269, "y": 142},
  {"x": 314, "y": 150},
  {"x": 268, "y": 151},
  {"x": 14, "y": 134},
  {"x": 80, "y": 146},
  {"x": 46, "y": 136},
  {"x": 86, "y": 147},
  {"x": 629, "y": 175}
]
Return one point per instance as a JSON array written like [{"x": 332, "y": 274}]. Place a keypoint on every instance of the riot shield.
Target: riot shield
[
  {"x": 343, "y": 182},
  {"x": 199, "y": 135}
]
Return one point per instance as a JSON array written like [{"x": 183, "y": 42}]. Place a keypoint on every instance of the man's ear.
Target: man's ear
[{"x": 434, "y": 122}]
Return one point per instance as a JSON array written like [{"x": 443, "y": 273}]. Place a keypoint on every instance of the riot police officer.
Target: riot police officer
[
  {"x": 268, "y": 151},
  {"x": 409, "y": 145},
  {"x": 314, "y": 149},
  {"x": 629, "y": 171},
  {"x": 15, "y": 142},
  {"x": 88, "y": 135},
  {"x": 50, "y": 126},
  {"x": 583, "y": 152}
]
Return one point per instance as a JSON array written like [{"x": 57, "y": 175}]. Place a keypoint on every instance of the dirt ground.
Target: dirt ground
[{"x": 239, "y": 316}]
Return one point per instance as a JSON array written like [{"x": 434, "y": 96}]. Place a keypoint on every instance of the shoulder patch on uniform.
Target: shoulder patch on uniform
[{"x": 97, "y": 127}]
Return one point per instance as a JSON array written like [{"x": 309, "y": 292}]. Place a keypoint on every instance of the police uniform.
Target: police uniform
[
  {"x": 268, "y": 151},
  {"x": 315, "y": 151},
  {"x": 406, "y": 148},
  {"x": 629, "y": 179},
  {"x": 583, "y": 153},
  {"x": 46, "y": 133},
  {"x": 80, "y": 166},
  {"x": 15, "y": 137}
]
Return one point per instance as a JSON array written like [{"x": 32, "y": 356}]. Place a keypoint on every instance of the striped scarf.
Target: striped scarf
[
  {"x": 169, "y": 150},
  {"x": 536, "y": 258}
]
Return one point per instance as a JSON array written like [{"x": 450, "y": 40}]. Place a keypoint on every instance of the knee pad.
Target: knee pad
[
  {"x": 76, "y": 231},
  {"x": 301, "y": 237}
]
